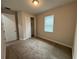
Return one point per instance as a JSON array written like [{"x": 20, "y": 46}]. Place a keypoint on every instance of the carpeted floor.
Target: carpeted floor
[{"x": 37, "y": 49}]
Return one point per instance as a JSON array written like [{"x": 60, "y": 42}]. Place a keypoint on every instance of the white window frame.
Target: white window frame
[{"x": 53, "y": 22}]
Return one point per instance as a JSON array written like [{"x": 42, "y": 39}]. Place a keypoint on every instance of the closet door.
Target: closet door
[
  {"x": 26, "y": 27},
  {"x": 9, "y": 26},
  {"x": 3, "y": 42}
]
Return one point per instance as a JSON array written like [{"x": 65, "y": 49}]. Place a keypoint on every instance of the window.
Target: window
[{"x": 48, "y": 23}]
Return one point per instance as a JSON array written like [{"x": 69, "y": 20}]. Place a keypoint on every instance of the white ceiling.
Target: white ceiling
[{"x": 27, "y": 5}]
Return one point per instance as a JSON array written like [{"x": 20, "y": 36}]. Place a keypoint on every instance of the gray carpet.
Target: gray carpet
[{"x": 36, "y": 49}]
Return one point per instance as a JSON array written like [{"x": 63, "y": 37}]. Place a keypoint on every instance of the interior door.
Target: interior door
[
  {"x": 26, "y": 27},
  {"x": 9, "y": 26},
  {"x": 3, "y": 42},
  {"x": 29, "y": 27},
  {"x": 32, "y": 26}
]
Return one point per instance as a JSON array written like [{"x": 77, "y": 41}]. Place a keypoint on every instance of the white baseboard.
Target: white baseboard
[
  {"x": 26, "y": 38},
  {"x": 56, "y": 41},
  {"x": 20, "y": 39},
  {"x": 23, "y": 38}
]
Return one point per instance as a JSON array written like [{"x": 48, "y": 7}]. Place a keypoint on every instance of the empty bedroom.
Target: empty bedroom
[{"x": 38, "y": 29}]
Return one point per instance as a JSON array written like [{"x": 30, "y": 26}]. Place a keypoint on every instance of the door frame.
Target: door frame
[
  {"x": 32, "y": 28},
  {"x": 35, "y": 32}
]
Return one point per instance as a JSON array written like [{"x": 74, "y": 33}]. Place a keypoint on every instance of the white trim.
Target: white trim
[
  {"x": 26, "y": 38},
  {"x": 20, "y": 39},
  {"x": 55, "y": 41}
]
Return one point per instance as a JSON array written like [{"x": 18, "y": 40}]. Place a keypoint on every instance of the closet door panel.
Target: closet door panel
[
  {"x": 9, "y": 27},
  {"x": 26, "y": 27}
]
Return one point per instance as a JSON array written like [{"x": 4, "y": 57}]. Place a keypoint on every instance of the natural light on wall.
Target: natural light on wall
[{"x": 49, "y": 23}]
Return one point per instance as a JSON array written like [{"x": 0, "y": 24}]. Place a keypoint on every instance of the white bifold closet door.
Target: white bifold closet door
[
  {"x": 26, "y": 27},
  {"x": 9, "y": 26}
]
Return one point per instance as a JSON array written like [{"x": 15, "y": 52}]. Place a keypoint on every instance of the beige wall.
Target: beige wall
[{"x": 65, "y": 20}]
